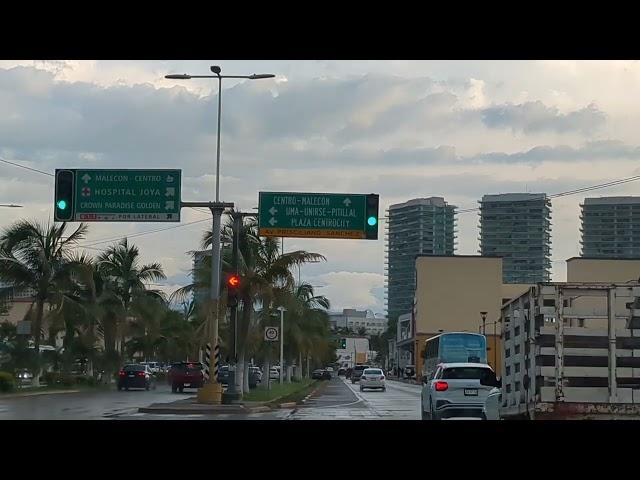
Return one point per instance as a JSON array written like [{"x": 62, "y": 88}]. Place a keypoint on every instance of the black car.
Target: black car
[
  {"x": 223, "y": 374},
  {"x": 136, "y": 376},
  {"x": 321, "y": 374},
  {"x": 356, "y": 373}
]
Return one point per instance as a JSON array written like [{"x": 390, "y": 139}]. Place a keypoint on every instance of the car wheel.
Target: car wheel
[
  {"x": 181, "y": 389},
  {"x": 174, "y": 388},
  {"x": 384, "y": 389},
  {"x": 119, "y": 388},
  {"x": 361, "y": 388},
  {"x": 433, "y": 413},
  {"x": 146, "y": 387},
  {"x": 423, "y": 414}
]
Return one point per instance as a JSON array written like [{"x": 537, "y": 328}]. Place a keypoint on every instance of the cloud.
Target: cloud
[
  {"x": 535, "y": 116},
  {"x": 350, "y": 289}
]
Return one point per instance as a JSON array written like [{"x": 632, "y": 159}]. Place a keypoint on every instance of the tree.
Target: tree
[
  {"x": 266, "y": 276},
  {"x": 120, "y": 265},
  {"x": 34, "y": 256}
]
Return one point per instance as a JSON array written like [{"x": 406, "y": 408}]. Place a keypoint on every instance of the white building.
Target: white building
[{"x": 356, "y": 319}]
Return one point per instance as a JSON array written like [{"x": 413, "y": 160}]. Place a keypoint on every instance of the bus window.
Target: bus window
[{"x": 463, "y": 348}]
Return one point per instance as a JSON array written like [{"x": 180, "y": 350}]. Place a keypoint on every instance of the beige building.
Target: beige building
[
  {"x": 451, "y": 291},
  {"x": 600, "y": 270},
  {"x": 583, "y": 269}
]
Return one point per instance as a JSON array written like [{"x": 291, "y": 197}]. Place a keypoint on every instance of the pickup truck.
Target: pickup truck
[{"x": 185, "y": 375}]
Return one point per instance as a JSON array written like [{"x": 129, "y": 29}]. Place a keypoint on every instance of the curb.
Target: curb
[
  {"x": 35, "y": 394},
  {"x": 288, "y": 405}
]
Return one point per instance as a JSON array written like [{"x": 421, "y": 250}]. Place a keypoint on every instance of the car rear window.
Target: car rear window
[
  {"x": 186, "y": 366},
  {"x": 464, "y": 373},
  {"x": 359, "y": 367},
  {"x": 134, "y": 368},
  {"x": 372, "y": 371}
]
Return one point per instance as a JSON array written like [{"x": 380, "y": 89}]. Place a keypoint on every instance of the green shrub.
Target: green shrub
[
  {"x": 7, "y": 382},
  {"x": 51, "y": 378},
  {"x": 68, "y": 380}
]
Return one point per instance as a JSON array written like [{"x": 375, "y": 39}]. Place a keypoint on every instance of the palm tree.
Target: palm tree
[
  {"x": 120, "y": 265},
  {"x": 266, "y": 273},
  {"x": 307, "y": 322},
  {"x": 34, "y": 256}
]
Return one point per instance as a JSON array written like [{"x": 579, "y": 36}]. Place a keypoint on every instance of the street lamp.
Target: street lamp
[
  {"x": 214, "y": 393},
  {"x": 282, "y": 310},
  {"x": 484, "y": 319}
]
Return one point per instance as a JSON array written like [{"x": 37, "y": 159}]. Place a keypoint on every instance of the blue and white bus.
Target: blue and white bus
[{"x": 453, "y": 347}]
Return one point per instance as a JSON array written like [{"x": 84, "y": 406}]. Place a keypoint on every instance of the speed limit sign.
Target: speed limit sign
[{"x": 271, "y": 334}]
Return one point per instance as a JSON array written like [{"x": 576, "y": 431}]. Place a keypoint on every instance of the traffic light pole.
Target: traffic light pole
[
  {"x": 232, "y": 392},
  {"x": 211, "y": 392}
]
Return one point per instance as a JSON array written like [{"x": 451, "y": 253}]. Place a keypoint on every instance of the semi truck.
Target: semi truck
[{"x": 569, "y": 351}]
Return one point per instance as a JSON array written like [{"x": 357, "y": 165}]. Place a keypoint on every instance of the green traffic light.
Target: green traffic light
[
  {"x": 62, "y": 204},
  {"x": 372, "y": 221}
]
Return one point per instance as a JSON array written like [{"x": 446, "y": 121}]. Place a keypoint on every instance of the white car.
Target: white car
[
  {"x": 372, "y": 378},
  {"x": 455, "y": 391},
  {"x": 274, "y": 373},
  {"x": 491, "y": 410},
  {"x": 329, "y": 369}
]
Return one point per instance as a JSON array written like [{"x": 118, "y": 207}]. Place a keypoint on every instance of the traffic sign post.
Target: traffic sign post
[
  {"x": 318, "y": 215},
  {"x": 109, "y": 195}
]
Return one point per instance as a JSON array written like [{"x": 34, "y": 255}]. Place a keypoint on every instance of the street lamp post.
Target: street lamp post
[
  {"x": 484, "y": 319},
  {"x": 212, "y": 392},
  {"x": 282, "y": 310}
]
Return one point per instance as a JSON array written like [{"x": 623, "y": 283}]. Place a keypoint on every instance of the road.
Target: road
[
  {"x": 336, "y": 400},
  {"x": 88, "y": 405},
  {"x": 342, "y": 400}
]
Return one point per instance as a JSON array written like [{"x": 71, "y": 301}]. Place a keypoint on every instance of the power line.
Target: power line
[
  {"x": 612, "y": 183},
  {"x": 140, "y": 234},
  {"x": 25, "y": 167}
]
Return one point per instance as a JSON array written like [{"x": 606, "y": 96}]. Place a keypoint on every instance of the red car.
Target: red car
[{"x": 185, "y": 375}]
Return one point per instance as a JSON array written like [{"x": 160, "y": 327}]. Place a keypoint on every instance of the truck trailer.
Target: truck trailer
[{"x": 571, "y": 351}]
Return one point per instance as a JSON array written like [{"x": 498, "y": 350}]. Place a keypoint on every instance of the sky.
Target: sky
[{"x": 402, "y": 129}]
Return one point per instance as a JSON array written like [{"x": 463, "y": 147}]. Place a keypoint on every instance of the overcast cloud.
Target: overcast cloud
[{"x": 402, "y": 129}]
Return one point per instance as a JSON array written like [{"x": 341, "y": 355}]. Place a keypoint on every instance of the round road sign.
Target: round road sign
[{"x": 271, "y": 333}]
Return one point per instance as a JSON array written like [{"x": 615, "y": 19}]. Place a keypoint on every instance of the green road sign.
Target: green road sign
[
  {"x": 318, "y": 215},
  {"x": 123, "y": 196}
]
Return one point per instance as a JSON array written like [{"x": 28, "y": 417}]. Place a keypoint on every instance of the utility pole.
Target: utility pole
[
  {"x": 232, "y": 392},
  {"x": 282, "y": 310}
]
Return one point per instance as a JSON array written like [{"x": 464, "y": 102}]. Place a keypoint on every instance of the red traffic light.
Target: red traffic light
[{"x": 233, "y": 281}]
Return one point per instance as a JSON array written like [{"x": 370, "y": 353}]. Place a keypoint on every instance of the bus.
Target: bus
[{"x": 453, "y": 347}]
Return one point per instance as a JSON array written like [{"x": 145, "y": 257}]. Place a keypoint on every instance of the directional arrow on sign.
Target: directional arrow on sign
[
  {"x": 272, "y": 221},
  {"x": 273, "y": 210},
  {"x": 171, "y": 192},
  {"x": 346, "y": 202},
  {"x": 86, "y": 178},
  {"x": 169, "y": 205},
  {"x": 169, "y": 179}
]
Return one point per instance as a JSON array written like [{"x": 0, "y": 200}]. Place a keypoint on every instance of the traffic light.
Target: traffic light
[
  {"x": 343, "y": 343},
  {"x": 371, "y": 227},
  {"x": 233, "y": 284},
  {"x": 64, "y": 201}
]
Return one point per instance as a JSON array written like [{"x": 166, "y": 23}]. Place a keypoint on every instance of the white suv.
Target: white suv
[{"x": 455, "y": 391}]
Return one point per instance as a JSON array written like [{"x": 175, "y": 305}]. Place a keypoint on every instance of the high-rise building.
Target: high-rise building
[
  {"x": 611, "y": 227},
  {"x": 517, "y": 227},
  {"x": 422, "y": 226}
]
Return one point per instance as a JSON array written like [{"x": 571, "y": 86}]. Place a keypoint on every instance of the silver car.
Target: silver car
[
  {"x": 455, "y": 391},
  {"x": 372, "y": 378}
]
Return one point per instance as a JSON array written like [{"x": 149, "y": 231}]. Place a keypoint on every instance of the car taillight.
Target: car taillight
[
  {"x": 382, "y": 377},
  {"x": 441, "y": 386},
  {"x": 121, "y": 373},
  {"x": 141, "y": 374}
]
